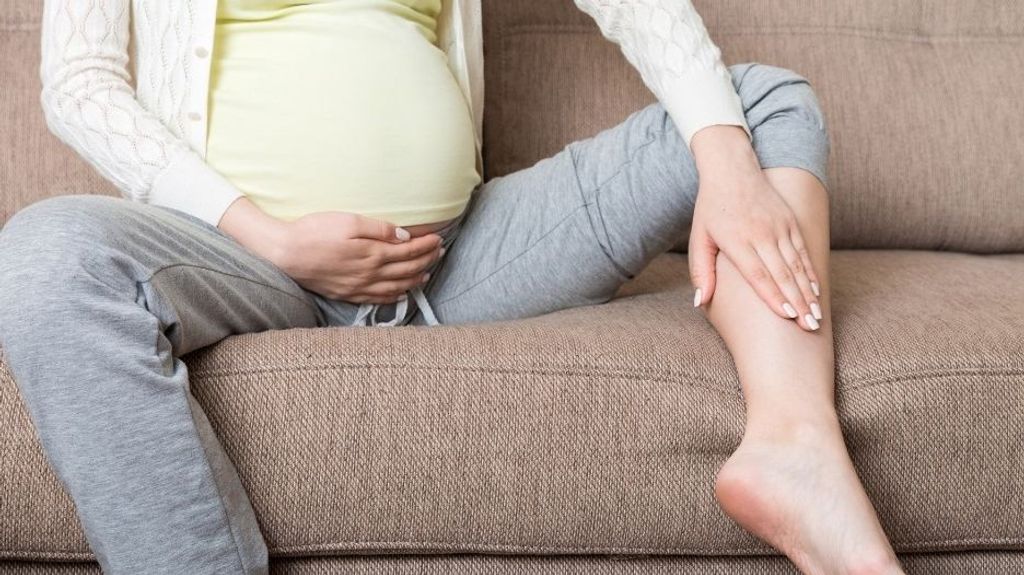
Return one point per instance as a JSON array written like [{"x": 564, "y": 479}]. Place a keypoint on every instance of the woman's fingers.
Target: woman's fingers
[
  {"x": 703, "y": 254},
  {"x": 408, "y": 268},
  {"x": 797, "y": 239},
  {"x": 803, "y": 281},
  {"x": 388, "y": 291},
  {"x": 757, "y": 274},
  {"x": 384, "y": 252},
  {"x": 361, "y": 226},
  {"x": 795, "y": 305}
]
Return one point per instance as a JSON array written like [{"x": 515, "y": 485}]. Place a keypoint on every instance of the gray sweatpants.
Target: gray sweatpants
[{"x": 100, "y": 296}]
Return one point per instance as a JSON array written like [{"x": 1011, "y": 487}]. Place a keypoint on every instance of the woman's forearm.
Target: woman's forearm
[
  {"x": 669, "y": 45},
  {"x": 739, "y": 213},
  {"x": 723, "y": 149},
  {"x": 255, "y": 229}
]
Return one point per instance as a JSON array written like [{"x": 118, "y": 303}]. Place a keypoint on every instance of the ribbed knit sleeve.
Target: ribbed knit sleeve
[
  {"x": 89, "y": 103},
  {"x": 668, "y": 44}
]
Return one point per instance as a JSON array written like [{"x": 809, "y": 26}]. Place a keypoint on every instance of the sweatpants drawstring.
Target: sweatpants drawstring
[{"x": 368, "y": 311}]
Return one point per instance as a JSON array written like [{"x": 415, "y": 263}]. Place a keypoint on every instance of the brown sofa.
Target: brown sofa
[{"x": 586, "y": 441}]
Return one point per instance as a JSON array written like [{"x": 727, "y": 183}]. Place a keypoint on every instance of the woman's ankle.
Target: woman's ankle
[{"x": 806, "y": 427}]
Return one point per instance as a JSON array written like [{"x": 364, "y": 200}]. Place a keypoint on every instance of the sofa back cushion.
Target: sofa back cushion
[
  {"x": 34, "y": 164},
  {"x": 922, "y": 99}
]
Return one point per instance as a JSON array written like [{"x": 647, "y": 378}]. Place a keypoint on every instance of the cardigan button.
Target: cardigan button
[{"x": 202, "y": 52}]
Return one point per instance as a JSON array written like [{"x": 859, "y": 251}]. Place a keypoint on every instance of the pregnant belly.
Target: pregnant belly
[{"x": 334, "y": 115}]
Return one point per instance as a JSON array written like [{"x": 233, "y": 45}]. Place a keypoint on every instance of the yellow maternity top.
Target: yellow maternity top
[{"x": 345, "y": 105}]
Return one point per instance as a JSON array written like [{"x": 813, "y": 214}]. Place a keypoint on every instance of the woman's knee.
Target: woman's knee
[
  {"x": 51, "y": 237},
  {"x": 64, "y": 222},
  {"x": 784, "y": 116},
  {"x": 768, "y": 92}
]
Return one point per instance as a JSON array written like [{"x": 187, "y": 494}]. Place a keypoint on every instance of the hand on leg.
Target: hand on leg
[{"x": 791, "y": 481}]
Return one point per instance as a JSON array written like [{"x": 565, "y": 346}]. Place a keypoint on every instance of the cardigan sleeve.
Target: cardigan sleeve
[
  {"x": 89, "y": 104},
  {"x": 667, "y": 42}
]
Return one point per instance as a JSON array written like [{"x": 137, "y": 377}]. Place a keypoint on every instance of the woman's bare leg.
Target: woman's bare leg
[{"x": 791, "y": 481}]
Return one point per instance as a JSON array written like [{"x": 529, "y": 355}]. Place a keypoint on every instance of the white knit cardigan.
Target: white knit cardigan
[{"x": 125, "y": 83}]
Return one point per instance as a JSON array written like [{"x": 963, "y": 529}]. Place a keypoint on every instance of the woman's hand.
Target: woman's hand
[
  {"x": 339, "y": 255},
  {"x": 740, "y": 213},
  {"x": 347, "y": 256}
]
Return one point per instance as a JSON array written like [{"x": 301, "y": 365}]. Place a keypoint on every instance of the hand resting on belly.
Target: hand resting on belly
[{"x": 339, "y": 255}]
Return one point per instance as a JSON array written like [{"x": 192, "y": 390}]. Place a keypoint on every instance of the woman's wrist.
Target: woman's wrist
[
  {"x": 250, "y": 226},
  {"x": 724, "y": 149}
]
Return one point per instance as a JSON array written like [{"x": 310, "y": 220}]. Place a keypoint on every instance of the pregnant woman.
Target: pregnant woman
[{"x": 308, "y": 164}]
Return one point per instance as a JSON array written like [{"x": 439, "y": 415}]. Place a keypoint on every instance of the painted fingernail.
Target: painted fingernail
[
  {"x": 426, "y": 277},
  {"x": 696, "y": 298},
  {"x": 816, "y": 310},
  {"x": 443, "y": 250},
  {"x": 402, "y": 234},
  {"x": 815, "y": 289},
  {"x": 811, "y": 321},
  {"x": 789, "y": 310}
]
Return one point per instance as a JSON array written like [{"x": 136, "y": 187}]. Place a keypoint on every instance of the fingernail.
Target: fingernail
[
  {"x": 696, "y": 298},
  {"x": 426, "y": 277},
  {"x": 443, "y": 250},
  {"x": 815, "y": 289},
  {"x": 811, "y": 321},
  {"x": 403, "y": 297},
  {"x": 816, "y": 310},
  {"x": 789, "y": 310},
  {"x": 402, "y": 234}
]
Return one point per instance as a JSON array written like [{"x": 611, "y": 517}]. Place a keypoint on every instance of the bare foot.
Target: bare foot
[{"x": 800, "y": 493}]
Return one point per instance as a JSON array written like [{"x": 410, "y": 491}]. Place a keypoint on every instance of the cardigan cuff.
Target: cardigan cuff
[
  {"x": 700, "y": 99},
  {"x": 192, "y": 186}
]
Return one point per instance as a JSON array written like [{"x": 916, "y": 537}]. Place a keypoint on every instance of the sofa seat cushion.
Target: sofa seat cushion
[{"x": 594, "y": 430}]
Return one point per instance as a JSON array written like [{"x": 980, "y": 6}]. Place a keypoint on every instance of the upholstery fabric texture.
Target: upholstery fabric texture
[
  {"x": 968, "y": 563},
  {"x": 604, "y": 425},
  {"x": 586, "y": 441}
]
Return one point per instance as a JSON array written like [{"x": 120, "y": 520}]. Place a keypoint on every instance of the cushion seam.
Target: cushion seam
[
  {"x": 559, "y": 371},
  {"x": 562, "y": 370},
  {"x": 320, "y": 548},
  {"x": 863, "y": 33}
]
